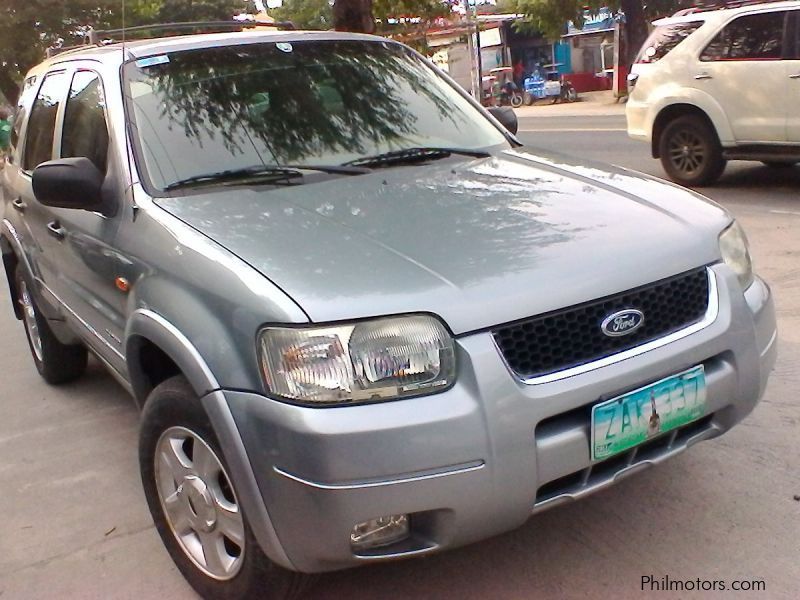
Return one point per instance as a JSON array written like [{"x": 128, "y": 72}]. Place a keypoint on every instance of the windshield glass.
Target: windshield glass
[{"x": 310, "y": 102}]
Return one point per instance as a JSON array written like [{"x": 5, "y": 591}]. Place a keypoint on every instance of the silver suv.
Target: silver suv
[{"x": 361, "y": 321}]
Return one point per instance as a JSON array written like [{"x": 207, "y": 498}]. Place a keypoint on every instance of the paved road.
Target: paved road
[{"x": 75, "y": 523}]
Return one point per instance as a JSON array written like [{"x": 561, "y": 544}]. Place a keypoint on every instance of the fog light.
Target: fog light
[{"x": 379, "y": 532}]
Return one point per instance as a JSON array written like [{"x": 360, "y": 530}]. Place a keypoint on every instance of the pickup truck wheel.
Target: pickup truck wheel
[
  {"x": 690, "y": 152},
  {"x": 56, "y": 362},
  {"x": 195, "y": 506}
]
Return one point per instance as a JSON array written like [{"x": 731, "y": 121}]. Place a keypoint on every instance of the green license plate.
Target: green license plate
[{"x": 628, "y": 420}]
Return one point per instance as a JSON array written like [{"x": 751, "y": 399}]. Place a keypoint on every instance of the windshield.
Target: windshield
[{"x": 310, "y": 102}]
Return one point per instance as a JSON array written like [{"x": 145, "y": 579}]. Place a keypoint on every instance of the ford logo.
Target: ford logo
[{"x": 622, "y": 322}]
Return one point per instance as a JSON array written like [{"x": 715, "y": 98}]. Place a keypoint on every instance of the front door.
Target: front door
[
  {"x": 743, "y": 69},
  {"x": 87, "y": 265}
]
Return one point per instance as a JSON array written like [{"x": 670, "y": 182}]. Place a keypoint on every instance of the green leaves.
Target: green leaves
[{"x": 29, "y": 27}]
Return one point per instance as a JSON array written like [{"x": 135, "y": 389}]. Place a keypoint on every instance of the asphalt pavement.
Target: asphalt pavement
[{"x": 76, "y": 526}]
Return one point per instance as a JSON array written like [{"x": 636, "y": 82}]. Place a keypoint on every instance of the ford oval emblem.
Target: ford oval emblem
[{"x": 622, "y": 322}]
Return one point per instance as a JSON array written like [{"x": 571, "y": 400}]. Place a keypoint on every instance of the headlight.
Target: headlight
[
  {"x": 735, "y": 253},
  {"x": 382, "y": 359}
]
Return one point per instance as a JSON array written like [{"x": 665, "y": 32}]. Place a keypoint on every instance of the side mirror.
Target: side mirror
[
  {"x": 506, "y": 116},
  {"x": 69, "y": 183}
]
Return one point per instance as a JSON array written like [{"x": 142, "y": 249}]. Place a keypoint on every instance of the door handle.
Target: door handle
[
  {"x": 56, "y": 230},
  {"x": 795, "y": 76},
  {"x": 19, "y": 204},
  {"x": 704, "y": 76}
]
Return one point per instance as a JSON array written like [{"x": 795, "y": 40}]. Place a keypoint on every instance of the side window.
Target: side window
[
  {"x": 795, "y": 16},
  {"x": 42, "y": 121},
  {"x": 85, "y": 132},
  {"x": 752, "y": 37}
]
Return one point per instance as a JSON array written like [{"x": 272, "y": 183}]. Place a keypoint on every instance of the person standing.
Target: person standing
[
  {"x": 519, "y": 73},
  {"x": 5, "y": 129}
]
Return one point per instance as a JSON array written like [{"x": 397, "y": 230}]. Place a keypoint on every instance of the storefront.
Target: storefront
[{"x": 592, "y": 51}]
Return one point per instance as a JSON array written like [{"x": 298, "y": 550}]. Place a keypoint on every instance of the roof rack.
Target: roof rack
[
  {"x": 54, "y": 51},
  {"x": 723, "y": 5},
  {"x": 107, "y": 36}
]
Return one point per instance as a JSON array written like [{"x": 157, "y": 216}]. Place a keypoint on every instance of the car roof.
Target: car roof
[
  {"x": 724, "y": 13},
  {"x": 142, "y": 48}
]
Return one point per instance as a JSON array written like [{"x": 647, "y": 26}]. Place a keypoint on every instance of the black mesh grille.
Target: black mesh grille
[{"x": 572, "y": 336}]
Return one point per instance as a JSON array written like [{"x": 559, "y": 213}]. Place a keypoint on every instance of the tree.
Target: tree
[
  {"x": 550, "y": 16},
  {"x": 353, "y": 15},
  {"x": 306, "y": 14},
  {"x": 368, "y": 16},
  {"x": 30, "y": 27}
]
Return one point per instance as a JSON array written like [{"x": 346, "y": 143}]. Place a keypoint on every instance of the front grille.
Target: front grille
[{"x": 572, "y": 336}]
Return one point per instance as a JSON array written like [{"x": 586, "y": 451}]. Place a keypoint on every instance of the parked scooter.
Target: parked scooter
[
  {"x": 554, "y": 86},
  {"x": 505, "y": 92}
]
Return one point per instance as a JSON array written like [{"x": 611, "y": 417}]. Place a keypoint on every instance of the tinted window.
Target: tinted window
[
  {"x": 42, "y": 121},
  {"x": 664, "y": 39},
  {"x": 85, "y": 132},
  {"x": 754, "y": 37},
  {"x": 321, "y": 102}
]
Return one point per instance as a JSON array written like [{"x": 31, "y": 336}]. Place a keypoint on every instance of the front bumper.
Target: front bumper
[{"x": 479, "y": 459}]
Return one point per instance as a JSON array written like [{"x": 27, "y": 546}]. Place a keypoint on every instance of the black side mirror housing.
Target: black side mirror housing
[
  {"x": 69, "y": 183},
  {"x": 506, "y": 116}
]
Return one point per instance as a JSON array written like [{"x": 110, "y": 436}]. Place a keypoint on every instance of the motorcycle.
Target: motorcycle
[
  {"x": 505, "y": 92},
  {"x": 556, "y": 87}
]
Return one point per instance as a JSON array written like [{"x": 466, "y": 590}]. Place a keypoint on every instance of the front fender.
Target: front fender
[{"x": 146, "y": 325}]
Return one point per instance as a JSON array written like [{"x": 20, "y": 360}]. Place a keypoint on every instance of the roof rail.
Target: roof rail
[
  {"x": 107, "y": 36},
  {"x": 55, "y": 51},
  {"x": 721, "y": 5}
]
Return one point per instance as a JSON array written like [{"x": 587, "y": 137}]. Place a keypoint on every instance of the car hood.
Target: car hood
[{"x": 476, "y": 241}]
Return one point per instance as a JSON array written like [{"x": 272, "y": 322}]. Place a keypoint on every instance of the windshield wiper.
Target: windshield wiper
[
  {"x": 274, "y": 174},
  {"x": 264, "y": 173},
  {"x": 410, "y": 155}
]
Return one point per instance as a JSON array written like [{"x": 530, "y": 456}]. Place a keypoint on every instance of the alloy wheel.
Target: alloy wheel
[
  {"x": 687, "y": 151},
  {"x": 199, "y": 503},
  {"x": 29, "y": 317}
]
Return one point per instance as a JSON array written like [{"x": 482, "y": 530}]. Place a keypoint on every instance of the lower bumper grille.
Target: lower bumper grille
[
  {"x": 573, "y": 336},
  {"x": 603, "y": 473}
]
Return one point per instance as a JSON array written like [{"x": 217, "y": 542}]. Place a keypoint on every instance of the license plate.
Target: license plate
[{"x": 628, "y": 420}]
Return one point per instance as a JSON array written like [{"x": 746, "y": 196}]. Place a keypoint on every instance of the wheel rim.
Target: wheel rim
[
  {"x": 29, "y": 318},
  {"x": 199, "y": 503},
  {"x": 687, "y": 151}
]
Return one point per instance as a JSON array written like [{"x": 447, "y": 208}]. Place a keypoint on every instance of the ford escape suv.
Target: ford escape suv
[
  {"x": 708, "y": 87},
  {"x": 361, "y": 320}
]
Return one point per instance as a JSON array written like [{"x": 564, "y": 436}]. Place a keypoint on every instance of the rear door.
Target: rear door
[
  {"x": 37, "y": 147},
  {"x": 793, "y": 77},
  {"x": 744, "y": 70}
]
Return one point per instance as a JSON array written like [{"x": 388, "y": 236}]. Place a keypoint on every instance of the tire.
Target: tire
[
  {"x": 690, "y": 152},
  {"x": 572, "y": 95},
  {"x": 515, "y": 100},
  {"x": 527, "y": 99},
  {"x": 777, "y": 164},
  {"x": 57, "y": 363},
  {"x": 174, "y": 427}
]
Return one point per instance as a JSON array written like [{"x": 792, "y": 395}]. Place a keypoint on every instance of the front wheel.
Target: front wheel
[
  {"x": 516, "y": 100},
  {"x": 690, "y": 152},
  {"x": 195, "y": 505},
  {"x": 527, "y": 99},
  {"x": 56, "y": 362},
  {"x": 572, "y": 95}
]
